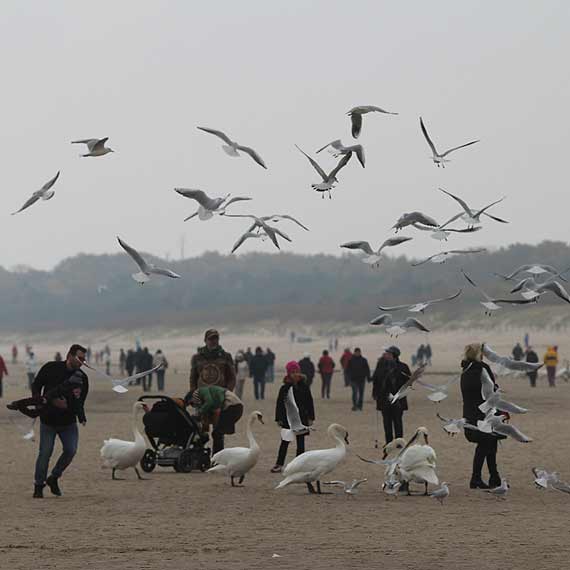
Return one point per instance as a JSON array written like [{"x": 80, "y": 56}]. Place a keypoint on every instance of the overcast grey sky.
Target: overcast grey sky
[{"x": 272, "y": 74}]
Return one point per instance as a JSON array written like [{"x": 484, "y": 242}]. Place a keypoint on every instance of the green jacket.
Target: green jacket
[{"x": 212, "y": 397}]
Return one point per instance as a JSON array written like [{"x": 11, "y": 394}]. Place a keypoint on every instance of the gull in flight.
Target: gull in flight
[
  {"x": 208, "y": 206},
  {"x": 330, "y": 179},
  {"x": 96, "y": 147},
  {"x": 532, "y": 290},
  {"x": 509, "y": 363},
  {"x": 44, "y": 193},
  {"x": 442, "y": 234},
  {"x": 441, "y": 493},
  {"x": 350, "y": 489},
  {"x": 119, "y": 385},
  {"x": 231, "y": 148},
  {"x": 411, "y": 218},
  {"x": 495, "y": 402},
  {"x": 296, "y": 426},
  {"x": 374, "y": 257},
  {"x": 146, "y": 269},
  {"x": 444, "y": 255},
  {"x": 405, "y": 389},
  {"x": 337, "y": 149},
  {"x": 421, "y": 306},
  {"x": 496, "y": 424},
  {"x": 439, "y": 158},
  {"x": 500, "y": 491},
  {"x": 544, "y": 479},
  {"x": 491, "y": 305},
  {"x": 24, "y": 425},
  {"x": 440, "y": 392},
  {"x": 398, "y": 328},
  {"x": 356, "y": 116},
  {"x": 262, "y": 226},
  {"x": 468, "y": 215},
  {"x": 454, "y": 426},
  {"x": 533, "y": 269}
]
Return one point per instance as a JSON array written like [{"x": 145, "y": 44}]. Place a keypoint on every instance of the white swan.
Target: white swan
[
  {"x": 120, "y": 454},
  {"x": 312, "y": 465},
  {"x": 418, "y": 461},
  {"x": 237, "y": 461}
]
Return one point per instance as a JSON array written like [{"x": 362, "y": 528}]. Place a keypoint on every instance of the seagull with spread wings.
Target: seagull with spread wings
[
  {"x": 534, "y": 269},
  {"x": 411, "y": 218},
  {"x": 439, "y": 158},
  {"x": 421, "y": 306},
  {"x": 146, "y": 269},
  {"x": 356, "y": 113},
  {"x": 44, "y": 193},
  {"x": 374, "y": 257},
  {"x": 337, "y": 149},
  {"x": 444, "y": 255},
  {"x": 208, "y": 206},
  {"x": 532, "y": 290},
  {"x": 400, "y": 327},
  {"x": 231, "y": 148},
  {"x": 491, "y": 305},
  {"x": 262, "y": 227},
  {"x": 470, "y": 216},
  {"x": 96, "y": 147},
  {"x": 330, "y": 179}
]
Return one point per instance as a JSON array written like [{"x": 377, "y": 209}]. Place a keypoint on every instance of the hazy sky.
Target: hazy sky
[{"x": 272, "y": 74}]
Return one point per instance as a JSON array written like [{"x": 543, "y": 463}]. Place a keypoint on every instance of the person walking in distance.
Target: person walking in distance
[
  {"x": 122, "y": 361},
  {"x": 307, "y": 368},
  {"x": 242, "y": 373},
  {"x": 359, "y": 373},
  {"x": 146, "y": 364},
  {"x": 389, "y": 376},
  {"x": 518, "y": 351},
  {"x": 326, "y": 367},
  {"x": 258, "y": 368},
  {"x": 130, "y": 362},
  {"x": 31, "y": 368},
  {"x": 531, "y": 356},
  {"x": 59, "y": 418},
  {"x": 3, "y": 372},
  {"x": 344, "y": 360},
  {"x": 212, "y": 366},
  {"x": 14, "y": 354},
  {"x": 551, "y": 361},
  {"x": 160, "y": 360},
  {"x": 270, "y": 373},
  {"x": 296, "y": 381}
]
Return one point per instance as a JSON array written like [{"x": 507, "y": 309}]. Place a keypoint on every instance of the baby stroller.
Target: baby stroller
[{"x": 176, "y": 438}]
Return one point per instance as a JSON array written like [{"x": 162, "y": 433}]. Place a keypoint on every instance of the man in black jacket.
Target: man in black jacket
[
  {"x": 358, "y": 371},
  {"x": 307, "y": 368},
  {"x": 390, "y": 375},
  {"x": 531, "y": 356},
  {"x": 257, "y": 368},
  {"x": 58, "y": 418}
]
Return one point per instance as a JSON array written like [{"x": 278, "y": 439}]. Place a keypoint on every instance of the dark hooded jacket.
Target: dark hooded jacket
[
  {"x": 212, "y": 367},
  {"x": 471, "y": 386},
  {"x": 303, "y": 399},
  {"x": 388, "y": 378}
]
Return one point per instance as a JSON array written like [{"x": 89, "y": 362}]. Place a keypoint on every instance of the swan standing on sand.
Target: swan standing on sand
[
  {"x": 237, "y": 461},
  {"x": 120, "y": 454},
  {"x": 310, "y": 466},
  {"x": 418, "y": 461}
]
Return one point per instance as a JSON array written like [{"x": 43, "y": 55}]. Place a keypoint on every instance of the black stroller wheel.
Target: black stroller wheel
[
  {"x": 148, "y": 462},
  {"x": 184, "y": 463}
]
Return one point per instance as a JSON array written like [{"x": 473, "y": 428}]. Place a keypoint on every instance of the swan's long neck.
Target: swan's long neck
[
  {"x": 138, "y": 436},
  {"x": 340, "y": 443},
  {"x": 249, "y": 433}
]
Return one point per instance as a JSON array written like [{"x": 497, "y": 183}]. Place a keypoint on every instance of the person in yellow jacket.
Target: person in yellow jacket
[{"x": 550, "y": 361}]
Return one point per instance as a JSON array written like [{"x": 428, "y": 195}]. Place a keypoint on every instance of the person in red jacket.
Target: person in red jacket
[
  {"x": 326, "y": 369},
  {"x": 344, "y": 360}
]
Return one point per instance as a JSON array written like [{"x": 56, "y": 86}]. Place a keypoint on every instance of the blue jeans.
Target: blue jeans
[
  {"x": 259, "y": 388},
  {"x": 357, "y": 393},
  {"x": 160, "y": 380},
  {"x": 69, "y": 437}
]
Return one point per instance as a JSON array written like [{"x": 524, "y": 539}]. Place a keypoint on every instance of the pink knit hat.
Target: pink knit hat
[{"x": 292, "y": 367}]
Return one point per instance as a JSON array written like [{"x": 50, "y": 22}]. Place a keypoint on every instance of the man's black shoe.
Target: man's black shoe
[
  {"x": 38, "y": 491},
  {"x": 51, "y": 482}
]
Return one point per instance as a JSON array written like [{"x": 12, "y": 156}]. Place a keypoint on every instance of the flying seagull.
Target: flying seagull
[
  {"x": 231, "y": 148},
  {"x": 330, "y": 179},
  {"x": 421, "y": 306},
  {"x": 491, "y": 305},
  {"x": 337, "y": 149},
  {"x": 509, "y": 363},
  {"x": 374, "y": 257},
  {"x": 532, "y": 290},
  {"x": 208, "y": 206},
  {"x": 495, "y": 402},
  {"x": 438, "y": 158},
  {"x": 146, "y": 269},
  {"x": 496, "y": 424},
  {"x": 470, "y": 216},
  {"x": 444, "y": 255},
  {"x": 356, "y": 116},
  {"x": 533, "y": 269},
  {"x": 350, "y": 489},
  {"x": 119, "y": 385},
  {"x": 411, "y": 218},
  {"x": 278, "y": 217},
  {"x": 454, "y": 426},
  {"x": 407, "y": 386},
  {"x": 400, "y": 327},
  {"x": 440, "y": 392},
  {"x": 96, "y": 147},
  {"x": 441, "y": 233},
  {"x": 260, "y": 225},
  {"x": 296, "y": 426},
  {"x": 44, "y": 193}
]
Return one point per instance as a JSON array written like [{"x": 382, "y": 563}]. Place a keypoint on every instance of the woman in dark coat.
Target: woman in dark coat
[
  {"x": 297, "y": 382},
  {"x": 471, "y": 390}
]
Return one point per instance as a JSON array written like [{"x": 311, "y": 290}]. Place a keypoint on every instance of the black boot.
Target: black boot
[
  {"x": 477, "y": 483},
  {"x": 495, "y": 480},
  {"x": 51, "y": 482},
  {"x": 38, "y": 491}
]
